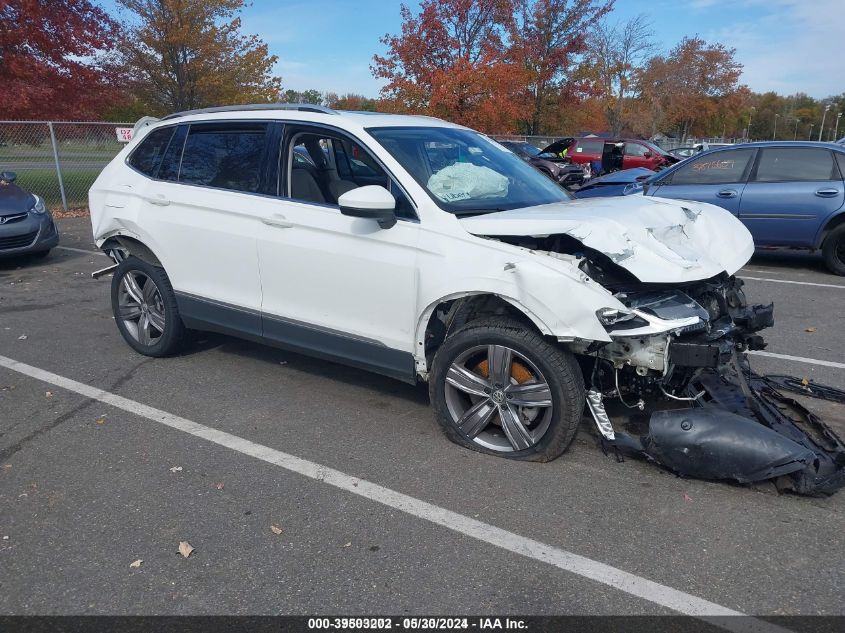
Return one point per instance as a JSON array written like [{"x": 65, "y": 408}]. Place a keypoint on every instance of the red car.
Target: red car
[{"x": 607, "y": 155}]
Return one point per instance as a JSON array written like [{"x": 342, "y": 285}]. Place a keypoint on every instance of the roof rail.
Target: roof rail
[{"x": 302, "y": 107}]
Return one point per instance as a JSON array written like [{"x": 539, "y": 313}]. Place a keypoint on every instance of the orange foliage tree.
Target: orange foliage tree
[{"x": 451, "y": 61}]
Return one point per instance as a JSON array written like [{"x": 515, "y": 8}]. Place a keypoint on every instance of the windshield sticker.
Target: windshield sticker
[{"x": 475, "y": 150}]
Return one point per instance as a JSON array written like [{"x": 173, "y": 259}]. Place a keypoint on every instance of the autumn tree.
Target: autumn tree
[
  {"x": 548, "y": 39},
  {"x": 451, "y": 61},
  {"x": 689, "y": 84},
  {"x": 185, "y": 54},
  {"x": 51, "y": 64},
  {"x": 618, "y": 52}
]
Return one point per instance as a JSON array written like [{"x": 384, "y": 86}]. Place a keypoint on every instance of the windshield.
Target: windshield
[
  {"x": 655, "y": 148},
  {"x": 528, "y": 148},
  {"x": 465, "y": 172}
]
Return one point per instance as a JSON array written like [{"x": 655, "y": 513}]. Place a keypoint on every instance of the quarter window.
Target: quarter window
[
  {"x": 228, "y": 157},
  {"x": 146, "y": 158},
  {"x": 711, "y": 169},
  {"x": 589, "y": 147},
  {"x": 795, "y": 164}
]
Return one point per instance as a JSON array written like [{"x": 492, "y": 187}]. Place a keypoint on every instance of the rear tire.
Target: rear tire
[
  {"x": 501, "y": 389},
  {"x": 833, "y": 250},
  {"x": 145, "y": 309}
]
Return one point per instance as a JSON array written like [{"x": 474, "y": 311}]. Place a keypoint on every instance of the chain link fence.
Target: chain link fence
[{"x": 58, "y": 160}]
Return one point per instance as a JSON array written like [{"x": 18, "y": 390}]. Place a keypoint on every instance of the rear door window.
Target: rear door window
[
  {"x": 711, "y": 169},
  {"x": 146, "y": 158},
  {"x": 228, "y": 156},
  {"x": 784, "y": 164}
]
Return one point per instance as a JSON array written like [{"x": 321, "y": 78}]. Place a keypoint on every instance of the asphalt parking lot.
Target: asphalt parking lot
[{"x": 87, "y": 487}]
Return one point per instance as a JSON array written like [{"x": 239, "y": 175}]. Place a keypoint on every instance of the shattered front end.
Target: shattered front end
[{"x": 677, "y": 364}]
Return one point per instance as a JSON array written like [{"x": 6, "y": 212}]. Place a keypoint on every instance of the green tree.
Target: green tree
[{"x": 185, "y": 54}]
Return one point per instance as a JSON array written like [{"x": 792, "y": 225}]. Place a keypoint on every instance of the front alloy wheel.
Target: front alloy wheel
[
  {"x": 498, "y": 398},
  {"x": 498, "y": 387}
]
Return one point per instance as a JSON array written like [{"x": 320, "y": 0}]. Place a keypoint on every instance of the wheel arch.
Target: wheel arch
[
  {"x": 131, "y": 245},
  {"x": 460, "y": 308},
  {"x": 836, "y": 220}
]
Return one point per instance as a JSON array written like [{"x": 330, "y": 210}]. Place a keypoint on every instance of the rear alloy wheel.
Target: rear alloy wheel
[
  {"x": 145, "y": 309},
  {"x": 834, "y": 250},
  {"x": 499, "y": 388}
]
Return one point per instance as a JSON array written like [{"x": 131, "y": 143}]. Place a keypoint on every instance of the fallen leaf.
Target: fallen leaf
[
  {"x": 101, "y": 420},
  {"x": 805, "y": 382},
  {"x": 22, "y": 337},
  {"x": 185, "y": 548},
  {"x": 219, "y": 485},
  {"x": 176, "y": 469},
  {"x": 136, "y": 563},
  {"x": 275, "y": 529},
  {"x": 810, "y": 329},
  {"x": 687, "y": 497},
  {"x": 348, "y": 545},
  {"x": 49, "y": 394}
]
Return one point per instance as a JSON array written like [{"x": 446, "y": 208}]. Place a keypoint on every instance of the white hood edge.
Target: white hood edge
[{"x": 656, "y": 239}]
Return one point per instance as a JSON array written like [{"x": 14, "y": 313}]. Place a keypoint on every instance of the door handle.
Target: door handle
[
  {"x": 159, "y": 200},
  {"x": 827, "y": 193},
  {"x": 726, "y": 193},
  {"x": 277, "y": 220}
]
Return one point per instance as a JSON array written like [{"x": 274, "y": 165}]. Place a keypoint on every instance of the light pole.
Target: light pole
[
  {"x": 795, "y": 136},
  {"x": 775, "y": 131},
  {"x": 824, "y": 114},
  {"x": 750, "y": 116},
  {"x": 810, "y": 135},
  {"x": 836, "y": 130}
]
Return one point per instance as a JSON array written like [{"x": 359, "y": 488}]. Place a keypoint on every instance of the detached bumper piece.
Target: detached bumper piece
[{"x": 745, "y": 430}]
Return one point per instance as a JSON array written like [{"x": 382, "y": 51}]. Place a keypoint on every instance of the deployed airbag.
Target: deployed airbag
[{"x": 465, "y": 181}]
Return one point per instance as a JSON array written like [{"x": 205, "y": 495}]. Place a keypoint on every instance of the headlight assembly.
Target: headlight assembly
[{"x": 40, "y": 208}]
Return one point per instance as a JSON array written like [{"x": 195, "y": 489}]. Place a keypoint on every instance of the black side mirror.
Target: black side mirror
[
  {"x": 647, "y": 155},
  {"x": 8, "y": 177}
]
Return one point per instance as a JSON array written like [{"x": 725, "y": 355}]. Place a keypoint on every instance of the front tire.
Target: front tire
[
  {"x": 145, "y": 310},
  {"x": 499, "y": 388},
  {"x": 833, "y": 250}
]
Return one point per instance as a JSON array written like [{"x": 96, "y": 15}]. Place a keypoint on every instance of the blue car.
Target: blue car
[{"x": 787, "y": 193}]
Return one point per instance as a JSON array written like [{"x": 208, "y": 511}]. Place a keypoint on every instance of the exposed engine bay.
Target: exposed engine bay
[{"x": 677, "y": 368}]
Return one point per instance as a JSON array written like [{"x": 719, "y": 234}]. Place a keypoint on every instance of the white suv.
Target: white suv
[{"x": 423, "y": 251}]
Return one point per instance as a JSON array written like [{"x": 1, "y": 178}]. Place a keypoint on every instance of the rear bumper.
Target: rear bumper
[{"x": 32, "y": 234}]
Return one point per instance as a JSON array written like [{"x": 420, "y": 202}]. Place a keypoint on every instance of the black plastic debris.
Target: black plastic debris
[{"x": 743, "y": 429}]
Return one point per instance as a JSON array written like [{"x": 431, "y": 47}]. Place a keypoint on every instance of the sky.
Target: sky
[{"x": 787, "y": 46}]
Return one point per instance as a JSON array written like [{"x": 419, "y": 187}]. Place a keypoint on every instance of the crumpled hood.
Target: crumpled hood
[{"x": 656, "y": 239}]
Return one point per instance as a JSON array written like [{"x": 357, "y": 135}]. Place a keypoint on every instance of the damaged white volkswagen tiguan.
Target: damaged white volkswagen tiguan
[{"x": 426, "y": 251}]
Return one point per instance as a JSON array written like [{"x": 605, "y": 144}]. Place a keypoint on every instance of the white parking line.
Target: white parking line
[
  {"x": 632, "y": 584},
  {"x": 800, "y": 283},
  {"x": 800, "y": 359},
  {"x": 80, "y": 250}
]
